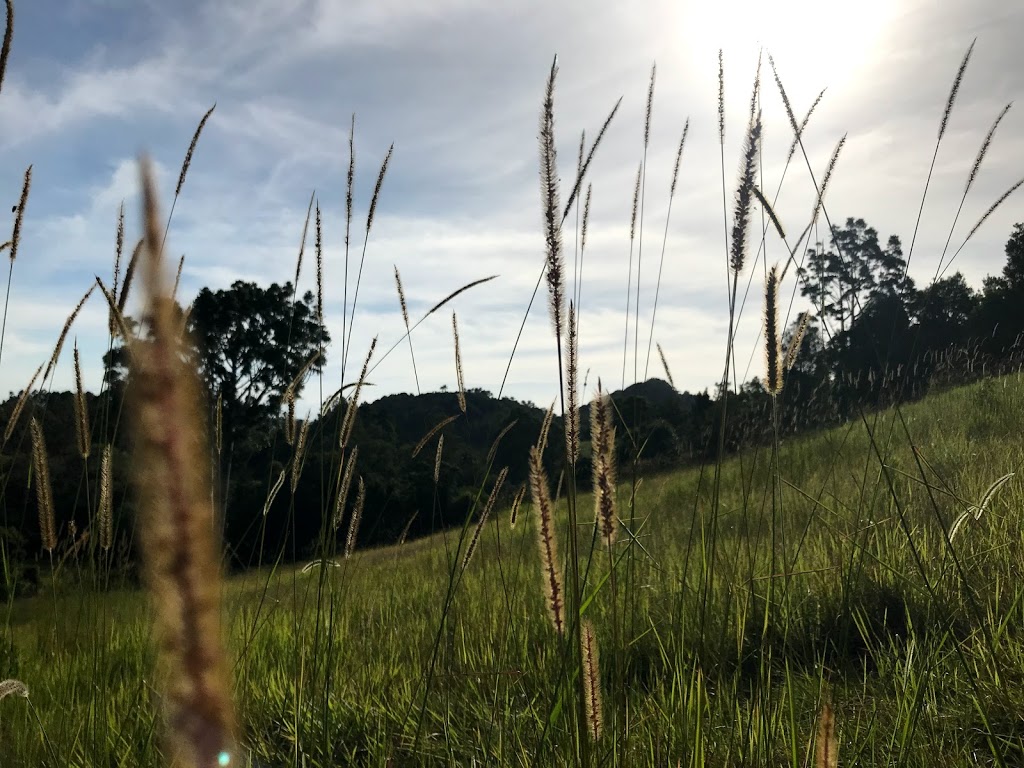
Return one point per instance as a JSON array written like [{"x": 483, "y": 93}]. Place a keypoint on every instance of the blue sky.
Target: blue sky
[{"x": 457, "y": 86}]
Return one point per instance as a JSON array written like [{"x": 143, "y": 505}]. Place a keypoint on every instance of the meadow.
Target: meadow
[{"x": 847, "y": 596}]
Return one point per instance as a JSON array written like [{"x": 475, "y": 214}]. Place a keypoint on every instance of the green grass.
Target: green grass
[{"x": 723, "y": 659}]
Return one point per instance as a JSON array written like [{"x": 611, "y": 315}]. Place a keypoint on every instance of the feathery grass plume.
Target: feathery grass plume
[
  {"x": 44, "y": 490},
  {"x": 579, "y": 159},
  {"x": 458, "y": 366},
  {"x": 602, "y": 440},
  {"x": 433, "y": 431},
  {"x": 984, "y": 147},
  {"x": 484, "y": 516},
  {"x": 20, "y": 215},
  {"x": 376, "y": 188},
  {"x": 979, "y": 510},
  {"x": 353, "y": 403},
  {"x": 679, "y": 159},
  {"x": 219, "y": 422},
  {"x": 344, "y": 487},
  {"x": 748, "y": 171},
  {"x": 770, "y": 211},
  {"x": 545, "y": 426},
  {"x": 319, "y": 247},
  {"x": 803, "y": 125},
  {"x": 405, "y": 530},
  {"x": 453, "y": 294},
  {"x": 64, "y": 332},
  {"x": 176, "y": 528},
  {"x": 650, "y": 105},
  {"x": 664, "y": 364},
  {"x": 826, "y": 178},
  {"x": 177, "y": 276},
  {"x": 721, "y": 99},
  {"x": 276, "y": 489},
  {"x": 106, "y": 510},
  {"x": 350, "y": 179},
  {"x": 13, "y": 687},
  {"x": 797, "y": 340},
  {"x": 5, "y": 49},
  {"x": 192, "y": 148},
  {"x": 553, "y": 591},
  {"x": 955, "y": 89},
  {"x": 300, "y": 453},
  {"x": 129, "y": 276},
  {"x": 357, "y": 516},
  {"x": 408, "y": 330},
  {"x": 289, "y": 422},
  {"x": 572, "y": 413},
  {"x": 785, "y": 101},
  {"x": 772, "y": 347},
  {"x": 550, "y": 206},
  {"x": 590, "y": 156},
  {"x": 302, "y": 240},
  {"x": 118, "y": 255},
  {"x": 591, "y": 679},
  {"x": 120, "y": 324},
  {"x": 81, "y": 410},
  {"x": 20, "y": 405},
  {"x": 437, "y": 458},
  {"x": 516, "y": 503},
  {"x": 988, "y": 213},
  {"x": 826, "y": 753},
  {"x": 586, "y": 220},
  {"x": 5, "y": 245},
  {"x": 636, "y": 202},
  {"x": 492, "y": 452}
]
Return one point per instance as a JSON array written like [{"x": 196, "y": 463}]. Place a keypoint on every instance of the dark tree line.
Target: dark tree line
[{"x": 875, "y": 338}]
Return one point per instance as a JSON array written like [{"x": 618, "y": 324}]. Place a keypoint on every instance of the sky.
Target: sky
[{"x": 456, "y": 86}]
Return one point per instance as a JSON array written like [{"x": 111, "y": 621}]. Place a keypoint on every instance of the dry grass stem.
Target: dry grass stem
[
  {"x": 553, "y": 592},
  {"x": 20, "y": 213},
  {"x": 773, "y": 349},
  {"x": 344, "y": 487},
  {"x": 405, "y": 530},
  {"x": 44, "y": 489},
  {"x": 550, "y": 206},
  {"x": 357, "y": 516},
  {"x": 106, "y": 509},
  {"x": 81, "y": 409},
  {"x": 458, "y": 366},
  {"x": 19, "y": 406},
  {"x": 176, "y": 526},
  {"x": 192, "y": 148},
  {"x": 664, "y": 364},
  {"x": 591, "y": 679},
  {"x": 797, "y": 340},
  {"x": 484, "y": 516},
  {"x": 219, "y": 422},
  {"x": 433, "y": 431},
  {"x": 13, "y": 687}
]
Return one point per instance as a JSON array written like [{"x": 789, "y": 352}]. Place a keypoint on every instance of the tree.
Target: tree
[
  {"x": 250, "y": 343},
  {"x": 1013, "y": 271},
  {"x": 854, "y": 270}
]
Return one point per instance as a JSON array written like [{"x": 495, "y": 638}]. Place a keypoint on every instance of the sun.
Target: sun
[{"x": 815, "y": 43}]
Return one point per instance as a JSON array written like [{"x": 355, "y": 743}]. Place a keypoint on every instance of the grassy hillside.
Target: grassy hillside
[{"x": 829, "y": 575}]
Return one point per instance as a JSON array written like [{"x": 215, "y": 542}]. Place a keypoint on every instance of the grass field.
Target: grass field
[{"x": 719, "y": 657}]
